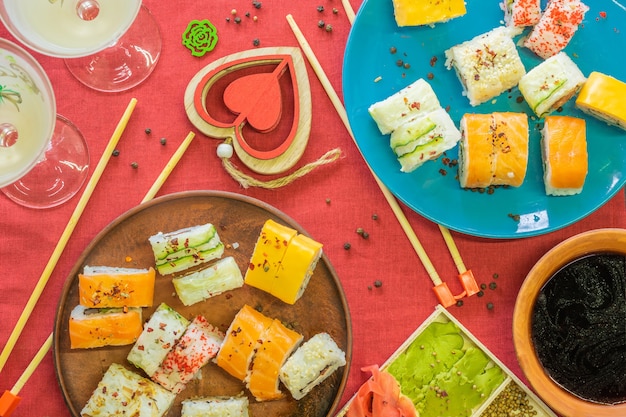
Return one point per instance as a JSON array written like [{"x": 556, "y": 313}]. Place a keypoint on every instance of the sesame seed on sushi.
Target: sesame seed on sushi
[
  {"x": 487, "y": 65},
  {"x": 551, "y": 84}
]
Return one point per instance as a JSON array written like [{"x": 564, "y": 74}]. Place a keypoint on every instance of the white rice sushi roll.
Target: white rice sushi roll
[
  {"x": 221, "y": 276},
  {"x": 413, "y": 100},
  {"x": 423, "y": 138},
  {"x": 216, "y": 407},
  {"x": 311, "y": 364},
  {"x": 159, "y": 336},
  {"x": 521, "y": 13},
  {"x": 182, "y": 249},
  {"x": 487, "y": 65},
  {"x": 198, "y": 345},
  {"x": 121, "y": 392},
  {"x": 551, "y": 84},
  {"x": 556, "y": 28}
]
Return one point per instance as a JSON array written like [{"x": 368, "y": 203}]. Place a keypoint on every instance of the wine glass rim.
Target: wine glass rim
[
  {"x": 12, "y": 47},
  {"x": 59, "y": 51}
]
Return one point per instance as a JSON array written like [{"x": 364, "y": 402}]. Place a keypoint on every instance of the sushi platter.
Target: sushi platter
[
  {"x": 124, "y": 243},
  {"x": 382, "y": 58}
]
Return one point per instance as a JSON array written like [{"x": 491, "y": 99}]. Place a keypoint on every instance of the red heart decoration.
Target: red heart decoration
[{"x": 257, "y": 99}]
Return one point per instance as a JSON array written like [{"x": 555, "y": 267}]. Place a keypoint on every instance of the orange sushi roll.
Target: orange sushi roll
[
  {"x": 493, "y": 149},
  {"x": 564, "y": 153},
  {"x": 272, "y": 350},
  {"x": 114, "y": 327},
  {"x": 510, "y": 148},
  {"x": 109, "y": 287},
  {"x": 240, "y": 340}
]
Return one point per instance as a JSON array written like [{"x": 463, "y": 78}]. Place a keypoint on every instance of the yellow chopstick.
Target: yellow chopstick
[
  {"x": 391, "y": 200},
  {"x": 168, "y": 168},
  {"x": 58, "y": 250},
  {"x": 158, "y": 183},
  {"x": 349, "y": 11}
]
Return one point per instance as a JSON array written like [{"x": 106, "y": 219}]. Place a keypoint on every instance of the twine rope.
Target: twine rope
[{"x": 246, "y": 180}]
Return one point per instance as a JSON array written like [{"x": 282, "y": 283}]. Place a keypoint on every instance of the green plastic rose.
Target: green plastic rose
[{"x": 200, "y": 37}]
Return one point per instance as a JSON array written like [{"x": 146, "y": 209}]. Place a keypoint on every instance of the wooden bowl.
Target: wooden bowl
[{"x": 559, "y": 399}]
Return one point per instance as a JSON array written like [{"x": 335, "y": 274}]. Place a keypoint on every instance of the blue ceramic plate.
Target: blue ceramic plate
[{"x": 598, "y": 45}]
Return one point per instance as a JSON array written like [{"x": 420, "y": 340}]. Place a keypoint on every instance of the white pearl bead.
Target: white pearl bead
[{"x": 224, "y": 150}]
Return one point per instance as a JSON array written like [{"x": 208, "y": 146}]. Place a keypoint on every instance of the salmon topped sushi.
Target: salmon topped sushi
[
  {"x": 493, "y": 149},
  {"x": 240, "y": 339},
  {"x": 276, "y": 344},
  {"x": 564, "y": 153}
]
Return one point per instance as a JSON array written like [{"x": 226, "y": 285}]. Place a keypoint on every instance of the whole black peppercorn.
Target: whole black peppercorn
[
  {"x": 256, "y": 42},
  {"x": 320, "y": 8},
  {"x": 321, "y": 24},
  {"x": 378, "y": 283},
  {"x": 493, "y": 285},
  {"x": 256, "y": 4},
  {"x": 329, "y": 28},
  {"x": 489, "y": 306},
  {"x": 135, "y": 165},
  {"x": 148, "y": 131},
  {"x": 116, "y": 152},
  {"x": 238, "y": 19},
  {"x": 347, "y": 245},
  {"x": 459, "y": 303},
  {"x": 163, "y": 141}
]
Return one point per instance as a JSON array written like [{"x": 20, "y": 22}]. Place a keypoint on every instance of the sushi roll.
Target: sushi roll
[
  {"x": 604, "y": 97},
  {"x": 273, "y": 348},
  {"x": 269, "y": 250},
  {"x": 240, "y": 340},
  {"x": 121, "y": 392},
  {"x": 197, "y": 346},
  {"x": 417, "y": 13},
  {"x": 564, "y": 153},
  {"x": 487, "y": 65},
  {"x": 424, "y": 138},
  {"x": 413, "y": 100},
  {"x": 158, "y": 337},
  {"x": 223, "y": 275},
  {"x": 182, "y": 249},
  {"x": 110, "y": 287},
  {"x": 311, "y": 364},
  {"x": 551, "y": 84},
  {"x": 92, "y": 328},
  {"x": 521, "y": 13},
  {"x": 493, "y": 149},
  {"x": 558, "y": 24},
  {"x": 296, "y": 268},
  {"x": 215, "y": 407},
  {"x": 282, "y": 262}
]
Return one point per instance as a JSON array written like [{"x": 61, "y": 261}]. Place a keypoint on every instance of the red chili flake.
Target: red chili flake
[
  {"x": 433, "y": 61},
  {"x": 149, "y": 329},
  {"x": 141, "y": 347},
  {"x": 602, "y": 15},
  {"x": 416, "y": 105},
  {"x": 162, "y": 326}
]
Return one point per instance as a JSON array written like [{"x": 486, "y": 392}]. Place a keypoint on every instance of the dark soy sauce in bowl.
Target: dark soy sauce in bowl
[{"x": 579, "y": 327}]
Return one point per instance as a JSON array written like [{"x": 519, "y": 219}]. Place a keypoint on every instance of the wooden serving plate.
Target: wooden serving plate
[{"x": 238, "y": 219}]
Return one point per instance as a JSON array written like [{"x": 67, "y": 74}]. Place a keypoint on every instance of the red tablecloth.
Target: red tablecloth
[{"x": 330, "y": 203}]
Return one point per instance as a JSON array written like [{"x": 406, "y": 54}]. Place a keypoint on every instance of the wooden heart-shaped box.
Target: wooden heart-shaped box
[{"x": 243, "y": 97}]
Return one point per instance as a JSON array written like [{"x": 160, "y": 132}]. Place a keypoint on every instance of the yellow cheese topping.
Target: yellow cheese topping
[
  {"x": 268, "y": 252},
  {"x": 296, "y": 268},
  {"x": 282, "y": 262},
  {"x": 604, "y": 97},
  {"x": 426, "y": 12}
]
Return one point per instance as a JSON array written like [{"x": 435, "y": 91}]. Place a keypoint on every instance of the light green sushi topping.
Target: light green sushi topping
[{"x": 442, "y": 375}]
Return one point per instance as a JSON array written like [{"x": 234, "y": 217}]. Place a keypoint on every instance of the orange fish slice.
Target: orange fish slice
[
  {"x": 272, "y": 350},
  {"x": 510, "y": 148},
  {"x": 115, "y": 328},
  {"x": 241, "y": 337},
  {"x": 475, "y": 163},
  {"x": 104, "y": 287},
  {"x": 564, "y": 151}
]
